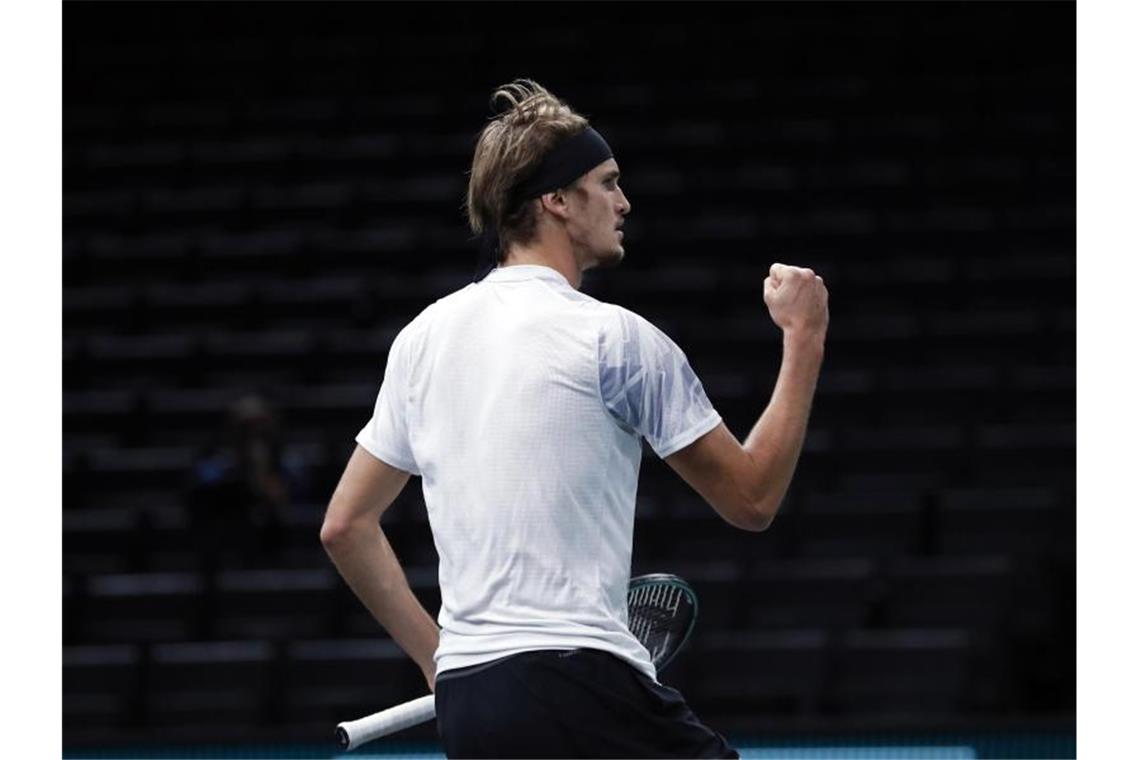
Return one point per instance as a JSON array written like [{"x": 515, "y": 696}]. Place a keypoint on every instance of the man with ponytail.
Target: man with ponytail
[{"x": 522, "y": 403}]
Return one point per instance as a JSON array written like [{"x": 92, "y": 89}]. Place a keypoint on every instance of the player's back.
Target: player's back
[{"x": 529, "y": 481}]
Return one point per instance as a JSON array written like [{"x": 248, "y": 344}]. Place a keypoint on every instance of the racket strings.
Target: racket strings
[{"x": 656, "y": 617}]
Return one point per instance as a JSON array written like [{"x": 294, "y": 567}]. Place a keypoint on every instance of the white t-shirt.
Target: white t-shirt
[{"x": 522, "y": 403}]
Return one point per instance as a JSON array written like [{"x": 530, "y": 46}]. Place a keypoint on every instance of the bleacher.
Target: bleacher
[{"x": 254, "y": 210}]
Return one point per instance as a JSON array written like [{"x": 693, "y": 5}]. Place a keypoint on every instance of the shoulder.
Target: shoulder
[
  {"x": 444, "y": 306},
  {"x": 420, "y": 325},
  {"x": 624, "y": 326}
]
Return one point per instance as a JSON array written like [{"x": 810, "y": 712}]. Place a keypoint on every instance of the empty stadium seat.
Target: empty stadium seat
[
  {"x": 138, "y": 467},
  {"x": 197, "y": 305},
  {"x": 275, "y": 604},
  {"x": 771, "y": 673},
  {"x": 329, "y": 681},
  {"x": 91, "y": 310},
  {"x": 901, "y": 672},
  {"x": 861, "y": 524},
  {"x": 987, "y": 520},
  {"x": 209, "y": 684},
  {"x": 948, "y": 591},
  {"x": 101, "y": 685},
  {"x": 131, "y": 351},
  {"x": 100, "y": 541},
  {"x": 259, "y": 349},
  {"x": 143, "y": 607},
  {"x": 802, "y": 593}
]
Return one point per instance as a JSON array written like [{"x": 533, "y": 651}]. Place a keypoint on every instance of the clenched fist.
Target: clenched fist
[{"x": 796, "y": 299}]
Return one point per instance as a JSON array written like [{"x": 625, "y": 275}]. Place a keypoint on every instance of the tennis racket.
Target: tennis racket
[{"x": 662, "y": 613}]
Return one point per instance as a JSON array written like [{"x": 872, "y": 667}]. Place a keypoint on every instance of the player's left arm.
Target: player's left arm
[{"x": 353, "y": 539}]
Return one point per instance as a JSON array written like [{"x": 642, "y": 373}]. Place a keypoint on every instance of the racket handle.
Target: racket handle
[{"x": 352, "y": 733}]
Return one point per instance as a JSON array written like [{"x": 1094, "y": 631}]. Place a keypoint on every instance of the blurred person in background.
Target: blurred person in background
[
  {"x": 241, "y": 490},
  {"x": 522, "y": 402}
]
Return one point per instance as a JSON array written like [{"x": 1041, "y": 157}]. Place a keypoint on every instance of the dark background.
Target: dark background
[{"x": 257, "y": 197}]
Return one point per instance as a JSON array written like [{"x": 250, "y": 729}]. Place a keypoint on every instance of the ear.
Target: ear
[{"x": 555, "y": 203}]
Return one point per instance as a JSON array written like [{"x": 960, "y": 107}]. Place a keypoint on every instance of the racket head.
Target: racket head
[{"x": 662, "y": 614}]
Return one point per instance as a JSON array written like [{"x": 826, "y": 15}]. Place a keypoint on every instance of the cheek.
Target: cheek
[{"x": 602, "y": 216}]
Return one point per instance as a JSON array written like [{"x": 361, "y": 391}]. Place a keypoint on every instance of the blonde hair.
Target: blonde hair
[{"x": 509, "y": 149}]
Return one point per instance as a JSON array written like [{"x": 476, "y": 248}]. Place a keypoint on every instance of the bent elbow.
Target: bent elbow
[
  {"x": 759, "y": 520},
  {"x": 758, "y": 509},
  {"x": 339, "y": 531},
  {"x": 762, "y": 513},
  {"x": 333, "y": 533},
  {"x": 748, "y": 515}
]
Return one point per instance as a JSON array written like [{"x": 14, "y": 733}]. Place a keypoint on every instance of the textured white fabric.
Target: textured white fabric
[{"x": 521, "y": 402}]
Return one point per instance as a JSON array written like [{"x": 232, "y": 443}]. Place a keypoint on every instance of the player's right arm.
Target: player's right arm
[
  {"x": 746, "y": 483},
  {"x": 354, "y": 541}
]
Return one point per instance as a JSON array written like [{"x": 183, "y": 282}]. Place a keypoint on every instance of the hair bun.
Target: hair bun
[{"x": 523, "y": 102}]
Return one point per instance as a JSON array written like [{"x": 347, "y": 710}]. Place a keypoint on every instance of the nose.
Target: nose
[{"x": 623, "y": 203}]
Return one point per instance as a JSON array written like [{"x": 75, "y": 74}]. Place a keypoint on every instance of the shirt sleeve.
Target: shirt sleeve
[
  {"x": 386, "y": 434},
  {"x": 647, "y": 385}
]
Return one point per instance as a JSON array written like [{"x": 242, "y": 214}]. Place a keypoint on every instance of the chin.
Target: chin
[{"x": 611, "y": 259}]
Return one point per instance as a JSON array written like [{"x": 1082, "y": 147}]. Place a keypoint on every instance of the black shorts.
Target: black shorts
[{"x": 576, "y": 703}]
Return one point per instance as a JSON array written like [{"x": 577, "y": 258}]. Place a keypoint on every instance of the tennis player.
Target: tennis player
[{"x": 521, "y": 403}]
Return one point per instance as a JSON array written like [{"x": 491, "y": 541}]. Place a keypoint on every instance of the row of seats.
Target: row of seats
[
  {"x": 247, "y": 682},
  {"x": 377, "y": 127},
  {"x": 109, "y": 409},
  {"x": 768, "y": 594},
  {"x": 120, "y": 308},
  {"x": 119, "y": 382},
  {"x": 718, "y": 236},
  {"x": 661, "y": 493},
  {"x": 216, "y": 198},
  {"x": 93, "y": 456},
  {"x": 202, "y": 297},
  {"x": 393, "y": 242},
  {"x": 289, "y": 338},
  {"x": 143, "y": 526},
  {"x": 324, "y": 681}
]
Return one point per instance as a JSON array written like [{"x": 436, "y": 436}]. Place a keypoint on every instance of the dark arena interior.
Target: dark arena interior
[{"x": 257, "y": 197}]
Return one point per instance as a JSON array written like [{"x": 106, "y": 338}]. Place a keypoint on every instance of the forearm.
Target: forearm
[
  {"x": 775, "y": 442},
  {"x": 365, "y": 560}
]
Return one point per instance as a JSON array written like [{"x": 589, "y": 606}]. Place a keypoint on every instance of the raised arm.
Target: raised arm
[
  {"x": 746, "y": 483},
  {"x": 353, "y": 539}
]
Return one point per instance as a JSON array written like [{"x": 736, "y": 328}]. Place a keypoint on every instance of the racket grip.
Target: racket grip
[{"x": 352, "y": 733}]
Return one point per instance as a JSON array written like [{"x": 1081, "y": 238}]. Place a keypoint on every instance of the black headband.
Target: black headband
[{"x": 566, "y": 162}]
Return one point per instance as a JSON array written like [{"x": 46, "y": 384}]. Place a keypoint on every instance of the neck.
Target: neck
[{"x": 548, "y": 253}]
